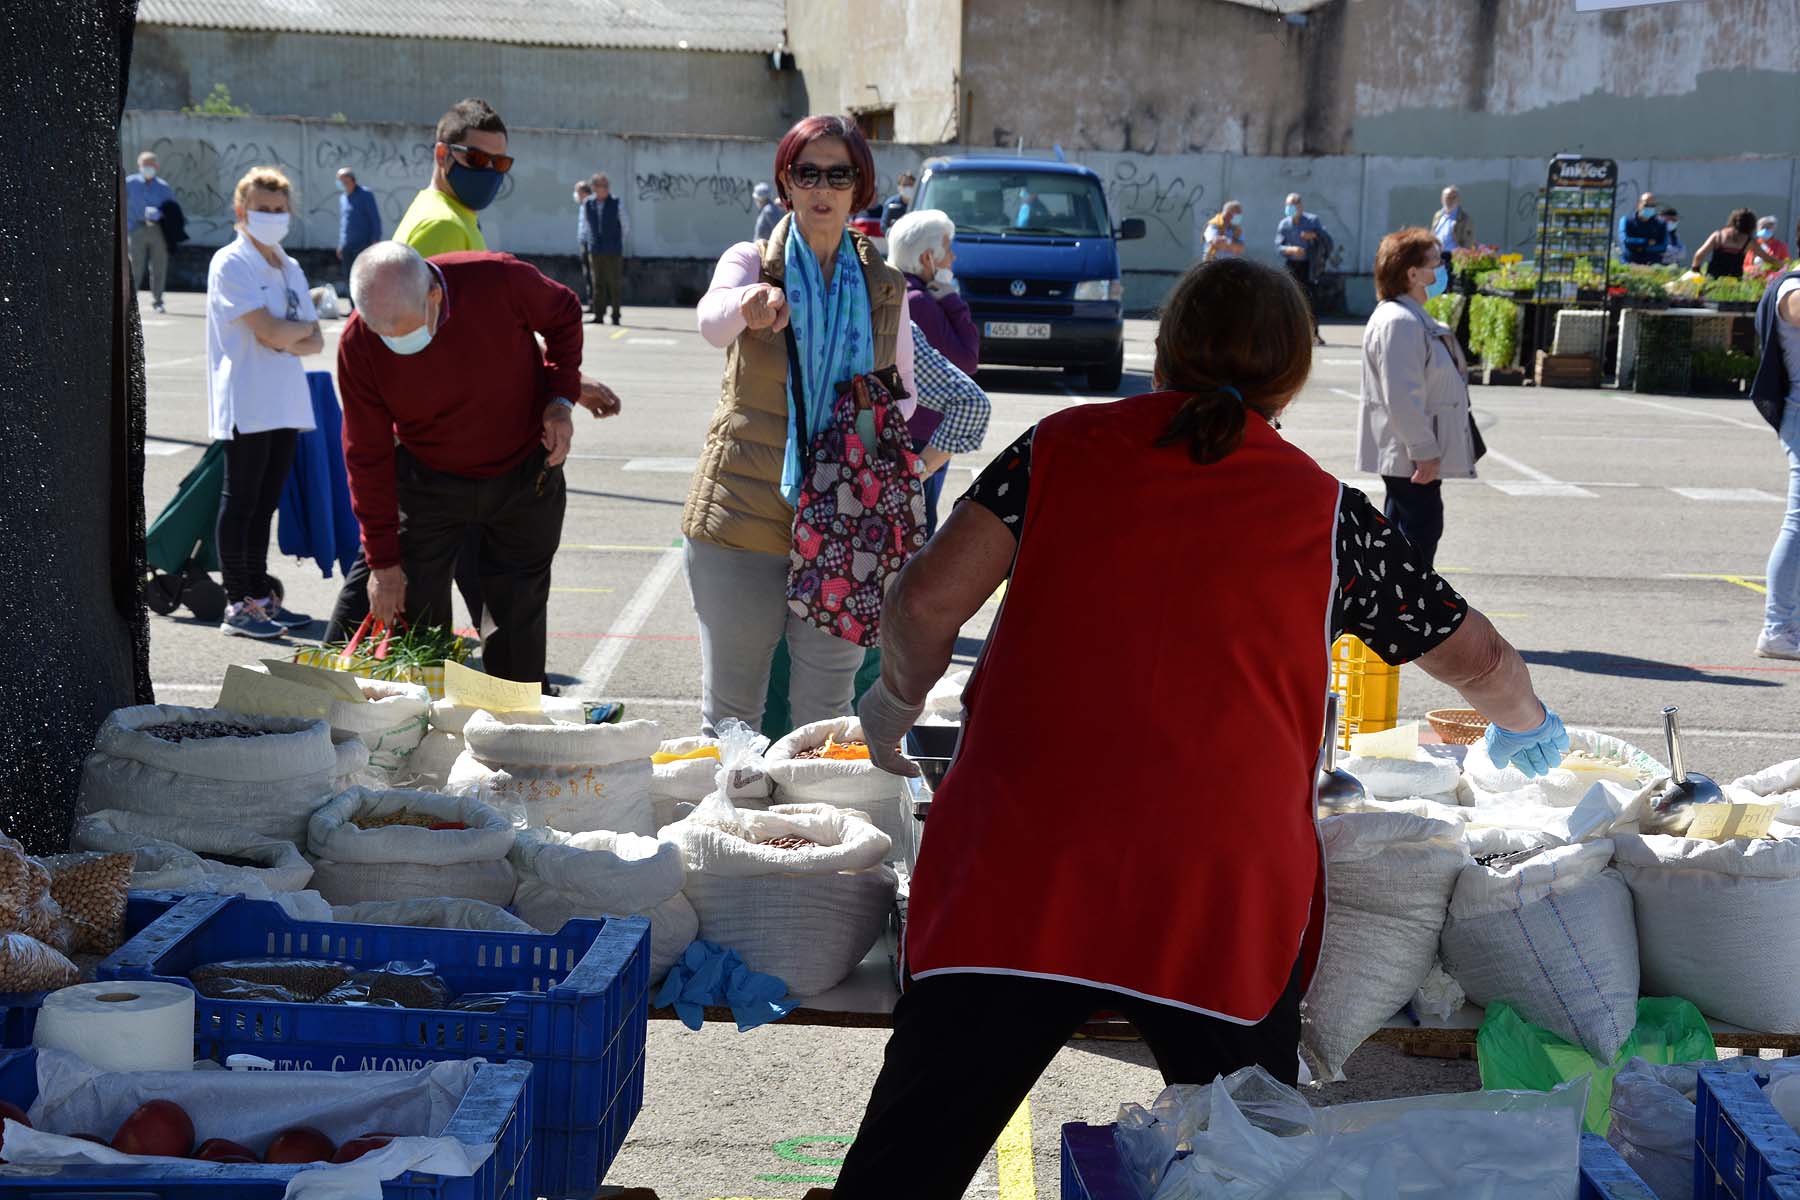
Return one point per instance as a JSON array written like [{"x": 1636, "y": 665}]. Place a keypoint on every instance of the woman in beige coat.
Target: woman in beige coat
[{"x": 1415, "y": 430}]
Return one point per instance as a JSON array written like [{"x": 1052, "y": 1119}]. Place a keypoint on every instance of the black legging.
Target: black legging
[{"x": 256, "y": 469}]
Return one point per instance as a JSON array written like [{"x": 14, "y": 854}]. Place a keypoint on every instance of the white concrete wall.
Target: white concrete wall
[{"x": 690, "y": 197}]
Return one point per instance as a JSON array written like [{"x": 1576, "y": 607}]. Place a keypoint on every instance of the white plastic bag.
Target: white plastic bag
[
  {"x": 1388, "y": 877},
  {"x": 1653, "y": 1117},
  {"x": 1425, "y": 774},
  {"x": 856, "y": 784},
  {"x": 575, "y": 778},
  {"x": 1716, "y": 924},
  {"x": 435, "y": 912},
  {"x": 1552, "y": 936},
  {"x": 598, "y": 874},
  {"x": 269, "y": 783},
  {"x": 174, "y": 854},
  {"x": 391, "y": 721},
  {"x": 409, "y": 862},
  {"x": 1779, "y": 784},
  {"x": 689, "y": 780}
]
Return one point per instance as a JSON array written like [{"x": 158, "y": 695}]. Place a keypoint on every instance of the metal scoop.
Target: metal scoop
[
  {"x": 1339, "y": 791},
  {"x": 1673, "y": 811}
]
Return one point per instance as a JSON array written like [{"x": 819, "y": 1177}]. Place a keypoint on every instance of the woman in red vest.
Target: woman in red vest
[{"x": 1178, "y": 573}]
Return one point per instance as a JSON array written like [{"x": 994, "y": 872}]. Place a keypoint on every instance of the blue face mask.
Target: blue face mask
[
  {"x": 476, "y": 189},
  {"x": 1646, "y": 213},
  {"x": 1292, "y": 210},
  {"x": 1763, "y": 235},
  {"x": 1439, "y": 282},
  {"x": 411, "y": 343}
]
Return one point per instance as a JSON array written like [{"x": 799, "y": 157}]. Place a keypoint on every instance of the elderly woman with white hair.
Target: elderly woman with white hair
[{"x": 920, "y": 247}]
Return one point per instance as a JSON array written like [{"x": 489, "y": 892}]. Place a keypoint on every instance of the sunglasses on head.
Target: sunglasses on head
[
  {"x": 481, "y": 160},
  {"x": 841, "y": 178}
]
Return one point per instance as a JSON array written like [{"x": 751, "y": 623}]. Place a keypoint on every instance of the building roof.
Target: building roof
[{"x": 732, "y": 25}]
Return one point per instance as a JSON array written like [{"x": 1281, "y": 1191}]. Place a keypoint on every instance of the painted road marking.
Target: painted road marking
[
  {"x": 1744, "y": 495},
  {"x": 1345, "y": 392},
  {"x": 156, "y": 446},
  {"x": 792, "y": 1150},
  {"x": 684, "y": 466},
  {"x": 1341, "y": 362},
  {"x": 597, "y": 671},
  {"x": 1535, "y": 488},
  {"x": 594, "y": 591},
  {"x": 617, "y": 334},
  {"x": 642, "y": 341},
  {"x": 1018, "y": 1178},
  {"x": 628, "y": 549},
  {"x": 1743, "y": 581},
  {"x": 174, "y": 362},
  {"x": 1694, "y": 412}
]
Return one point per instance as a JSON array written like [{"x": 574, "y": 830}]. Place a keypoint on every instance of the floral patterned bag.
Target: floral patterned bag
[{"x": 861, "y": 515}]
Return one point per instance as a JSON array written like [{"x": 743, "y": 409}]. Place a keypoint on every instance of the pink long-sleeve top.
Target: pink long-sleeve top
[{"x": 721, "y": 318}]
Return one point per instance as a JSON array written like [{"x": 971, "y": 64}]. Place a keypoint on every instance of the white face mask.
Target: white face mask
[
  {"x": 944, "y": 275},
  {"x": 148, "y": 172},
  {"x": 906, "y": 194},
  {"x": 266, "y": 227}
]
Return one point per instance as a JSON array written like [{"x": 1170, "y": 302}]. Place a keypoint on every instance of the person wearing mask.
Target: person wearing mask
[
  {"x": 359, "y": 219},
  {"x": 898, "y": 204},
  {"x": 1775, "y": 391},
  {"x": 1725, "y": 254},
  {"x": 1774, "y": 254},
  {"x": 1676, "y": 251},
  {"x": 1452, "y": 226},
  {"x": 1031, "y": 909},
  {"x": 846, "y": 310},
  {"x": 145, "y": 194},
  {"x": 767, "y": 212},
  {"x": 1301, "y": 239},
  {"x": 1224, "y": 234},
  {"x": 1414, "y": 417},
  {"x": 1643, "y": 238},
  {"x": 453, "y": 411},
  {"x": 583, "y": 191},
  {"x": 259, "y": 323},
  {"x": 921, "y": 246},
  {"x": 608, "y": 228},
  {"x": 470, "y": 164}
]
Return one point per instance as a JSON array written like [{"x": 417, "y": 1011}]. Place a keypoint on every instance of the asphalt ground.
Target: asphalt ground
[{"x": 1619, "y": 541}]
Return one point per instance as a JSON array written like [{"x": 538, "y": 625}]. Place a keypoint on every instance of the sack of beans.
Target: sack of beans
[
  {"x": 1593, "y": 757},
  {"x": 198, "y": 765},
  {"x": 575, "y": 778},
  {"x": 433, "y": 912},
  {"x": 799, "y": 891},
  {"x": 407, "y": 845},
  {"x": 684, "y": 772},
  {"x": 1779, "y": 784},
  {"x": 391, "y": 720},
  {"x": 600, "y": 874},
  {"x": 175, "y": 854},
  {"x": 92, "y": 889},
  {"x": 827, "y": 762},
  {"x": 428, "y": 767},
  {"x": 1389, "y": 877}
]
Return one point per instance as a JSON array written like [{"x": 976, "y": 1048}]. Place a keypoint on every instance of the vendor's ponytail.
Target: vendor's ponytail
[{"x": 1236, "y": 336}]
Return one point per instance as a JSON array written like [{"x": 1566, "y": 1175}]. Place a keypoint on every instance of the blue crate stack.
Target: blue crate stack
[{"x": 1743, "y": 1150}]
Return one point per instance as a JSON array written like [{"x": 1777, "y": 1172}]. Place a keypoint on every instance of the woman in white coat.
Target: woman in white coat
[{"x": 1414, "y": 427}]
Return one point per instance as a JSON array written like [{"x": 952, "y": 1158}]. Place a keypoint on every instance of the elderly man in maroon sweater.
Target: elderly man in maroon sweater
[{"x": 454, "y": 417}]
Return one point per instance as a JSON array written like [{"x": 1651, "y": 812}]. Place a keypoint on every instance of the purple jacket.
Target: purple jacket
[{"x": 946, "y": 324}]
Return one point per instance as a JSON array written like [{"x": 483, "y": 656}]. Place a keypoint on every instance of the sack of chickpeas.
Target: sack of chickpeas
[
  {"x": 408, "y": 845},
  {"x": 33, "y": 934},
  {"x": 576, "y": 778},
  {"x": 92, "y": 890}
]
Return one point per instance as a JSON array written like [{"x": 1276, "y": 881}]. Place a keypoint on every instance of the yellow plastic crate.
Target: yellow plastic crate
[{"x": 1369, "y": 687}]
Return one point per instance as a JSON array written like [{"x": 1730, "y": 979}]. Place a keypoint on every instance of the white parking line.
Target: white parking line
[
  {"x": 1344, "y": 392},
  {"x": 682, "y": 466},
  {"x": 156, "y": 446},
  {"x": 1762, "y": 427},
  {"x": 1339, "y": 362},
  {"x": 642, "y": 341},
  {"x": 597, "y": 671},
  {"x": 174, "y": 362},
  {"x": 1729, "y": 495}
]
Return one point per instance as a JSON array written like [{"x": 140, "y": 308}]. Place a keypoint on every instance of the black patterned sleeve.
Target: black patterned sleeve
[
  {"x": 1384, "y": 596},
  {"x": 1003, "y": 484}
]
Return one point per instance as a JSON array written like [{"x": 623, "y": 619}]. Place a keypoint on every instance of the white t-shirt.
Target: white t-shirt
[
  {"x": 250, "y": 387},
  {"x": 1789, "y": 338}
]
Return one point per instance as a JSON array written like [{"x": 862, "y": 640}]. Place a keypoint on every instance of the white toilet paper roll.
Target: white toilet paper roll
[{"x": 121, "y": 1026}]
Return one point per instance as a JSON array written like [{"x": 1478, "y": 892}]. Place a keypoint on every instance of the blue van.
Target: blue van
[{"x": 1037, "y": 258}]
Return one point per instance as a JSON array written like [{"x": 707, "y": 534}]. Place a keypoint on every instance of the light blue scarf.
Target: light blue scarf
[{"x": 836, "y": 340}]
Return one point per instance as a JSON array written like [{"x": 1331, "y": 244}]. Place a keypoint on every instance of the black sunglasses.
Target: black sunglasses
[
  {"x": 481, "y": 160},
  {"x": 807, "y": 175}
]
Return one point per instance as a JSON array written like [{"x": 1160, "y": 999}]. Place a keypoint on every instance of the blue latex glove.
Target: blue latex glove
[
  {"x": 710, "y": 974},
  {"x": 1535, "y": 751}
]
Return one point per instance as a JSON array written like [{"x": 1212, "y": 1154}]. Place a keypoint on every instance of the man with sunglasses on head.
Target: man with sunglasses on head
[{"x": 470, "y": 164}]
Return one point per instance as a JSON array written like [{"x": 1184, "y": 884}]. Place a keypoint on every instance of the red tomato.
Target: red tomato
[
  {"x": 299, "y": 1145},
  {"x": 363, "y": 1144},
  {"x": 161, "y": 1127},
  {"x": 223, "y": 1150}
]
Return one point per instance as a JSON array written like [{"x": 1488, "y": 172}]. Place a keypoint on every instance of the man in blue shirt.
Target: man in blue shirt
[
  {"x": 145, "y": 194},
  {"x": 359, "y": 219},
  {"x": 1302, "y": 241},
  {"x": 1643, "y": 237}
]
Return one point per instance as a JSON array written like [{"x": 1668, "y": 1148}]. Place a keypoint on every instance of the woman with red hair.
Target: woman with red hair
[{"x": 846, "y": 309}]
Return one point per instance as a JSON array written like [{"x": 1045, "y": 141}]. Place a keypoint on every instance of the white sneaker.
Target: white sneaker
[
  {"x": 1780, "y": 645},
  {"x": 247, "y": 618}
]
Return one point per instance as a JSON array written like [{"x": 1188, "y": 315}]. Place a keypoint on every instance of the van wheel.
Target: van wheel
[{"x": 1105, "y": 377}]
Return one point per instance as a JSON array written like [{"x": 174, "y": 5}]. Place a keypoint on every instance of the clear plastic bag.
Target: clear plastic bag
[
  {"x": 28, "y": 965},
  {"x": 740, "y": 749},
  {"x": 393, "y": 985},
  {"x": 304, "y": 980},
  {"x": 92, "y": 890}
]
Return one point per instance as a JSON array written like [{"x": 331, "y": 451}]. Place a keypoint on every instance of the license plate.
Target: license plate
[{"x": 1012, "y": 329}]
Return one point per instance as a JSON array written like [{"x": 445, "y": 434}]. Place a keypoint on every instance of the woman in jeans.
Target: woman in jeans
[
  {"x": 1414, "y": 422},
  {"x": 847, "y": 310},
  {"x": 259, "y": 322}
]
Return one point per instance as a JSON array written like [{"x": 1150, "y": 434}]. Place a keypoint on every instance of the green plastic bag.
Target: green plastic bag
[{"x": 1515, "y": 1054}]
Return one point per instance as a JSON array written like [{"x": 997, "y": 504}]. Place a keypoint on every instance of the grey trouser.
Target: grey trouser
[
  {"x": 740, "y": 597},
  {"x": 147, "y": 243}
]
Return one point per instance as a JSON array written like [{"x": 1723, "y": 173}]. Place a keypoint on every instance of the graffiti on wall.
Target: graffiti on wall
[
  {"x": 204, "y": 174},
  {"x": 720, "y": 191},
  {"x": 1164, "y": 201}
]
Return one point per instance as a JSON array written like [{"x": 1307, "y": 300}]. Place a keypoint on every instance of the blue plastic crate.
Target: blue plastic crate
[
  {"x": 1741, "y": 1143},
  {"x": 1093, "y": 1170},
  {"x": 19, "y": 1010},
  {"x": 1785, "y": 1187},
  {"x": 578, "y": 1012},
  {"x": 496, "y": 1108}
]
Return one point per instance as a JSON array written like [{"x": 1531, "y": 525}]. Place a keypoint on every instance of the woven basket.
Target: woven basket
[{"x": 1458, "y": 726}]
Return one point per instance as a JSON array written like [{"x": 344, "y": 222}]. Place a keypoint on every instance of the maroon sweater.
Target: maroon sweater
[{"x": 472, "y": 402}]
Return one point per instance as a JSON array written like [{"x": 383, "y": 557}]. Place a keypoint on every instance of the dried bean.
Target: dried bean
[
  {"x": 306, "y": 979},
  {"x": 789, "y": 843},
  {"x": 199, "y": 731}
]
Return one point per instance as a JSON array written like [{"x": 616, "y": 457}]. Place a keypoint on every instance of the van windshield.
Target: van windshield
[{"x": 1018, "y": 202}]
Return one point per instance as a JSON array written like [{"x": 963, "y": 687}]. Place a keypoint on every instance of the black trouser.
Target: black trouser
[
  {"x": 256, "y": 470},
  {"x": 1416, "y": 510},
  {"x": 1301, "y": 270},
  {"x": 353, "y": 598},
  {"x": 515, "y": 520},
  {"x": 967, "y": 1048}
]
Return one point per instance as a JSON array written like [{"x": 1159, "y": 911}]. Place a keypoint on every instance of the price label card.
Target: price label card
[
  {"x": 469, "y": 688},
  {"x": 341, "y": 686},
  {"x": 1722, "y": 822},
  {"x": 253, "y": 693}
]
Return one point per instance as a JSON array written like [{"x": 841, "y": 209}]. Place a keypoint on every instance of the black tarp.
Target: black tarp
[{"x": 74, "y": 642}]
